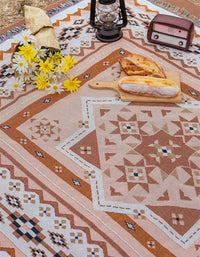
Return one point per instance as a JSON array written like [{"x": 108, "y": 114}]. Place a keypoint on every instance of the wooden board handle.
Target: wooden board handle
[
  {"x": 171, "y": 75},
  {"x": 104, "y": 85}
]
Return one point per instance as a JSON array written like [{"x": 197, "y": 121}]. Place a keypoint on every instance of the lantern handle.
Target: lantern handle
[
  {"x": 92, "y": 14},
  {"x": 124, "y": 15}
]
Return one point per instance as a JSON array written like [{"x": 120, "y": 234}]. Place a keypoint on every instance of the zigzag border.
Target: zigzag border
[{"x": 54, "y": 204}]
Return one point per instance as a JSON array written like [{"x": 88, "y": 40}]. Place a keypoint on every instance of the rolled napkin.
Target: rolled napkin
[
  {"x": 149, "y": 86},
  {"x": 41, "y": 27}
]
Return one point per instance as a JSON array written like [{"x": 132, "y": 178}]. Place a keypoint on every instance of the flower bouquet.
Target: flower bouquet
[{"x": 37, "y": 58}]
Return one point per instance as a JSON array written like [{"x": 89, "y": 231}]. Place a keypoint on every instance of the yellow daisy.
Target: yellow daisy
[
  {"x": 35, "y": 59},
  {"x": 42, "y": 82},
  {"x": 46, "y": 66},
  {"x": 71, "y": 85},
  {"x": 67, "y": 63},
  {"x": 56, "y": 59},
  {"x": 27, "y": 51}
]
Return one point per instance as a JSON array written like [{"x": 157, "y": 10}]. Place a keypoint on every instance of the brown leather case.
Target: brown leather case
[{"x": 171, "y": 31}]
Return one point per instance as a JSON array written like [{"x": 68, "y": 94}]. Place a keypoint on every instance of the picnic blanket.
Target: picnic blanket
[{"x": 88, "y": 175}]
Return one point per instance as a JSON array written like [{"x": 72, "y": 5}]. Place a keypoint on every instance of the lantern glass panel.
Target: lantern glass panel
[{"x": 109, "y": 13}]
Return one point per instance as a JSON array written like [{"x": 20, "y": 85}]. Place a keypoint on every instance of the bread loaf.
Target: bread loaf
[
  {"x": 148, "y": 86},
  {"x": 131, "y": 69},
  {"x": 135, "y": 64}
]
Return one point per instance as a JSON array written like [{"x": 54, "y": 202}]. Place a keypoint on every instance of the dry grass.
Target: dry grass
[{"x": 12, "y": 10}]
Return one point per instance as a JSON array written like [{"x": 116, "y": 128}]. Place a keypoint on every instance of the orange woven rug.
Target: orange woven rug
[{"x": 87, "y": 175}]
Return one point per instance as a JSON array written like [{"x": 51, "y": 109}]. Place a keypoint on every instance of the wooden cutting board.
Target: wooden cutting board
[{"x": 114, "y": 85}]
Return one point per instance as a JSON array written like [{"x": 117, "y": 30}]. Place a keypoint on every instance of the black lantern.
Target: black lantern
[{"x": 108, "y": 17}]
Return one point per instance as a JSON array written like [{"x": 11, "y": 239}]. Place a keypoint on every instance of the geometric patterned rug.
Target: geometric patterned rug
[
  {"x": 86, "y": 174},
  {"x": 141, "y": 168}
]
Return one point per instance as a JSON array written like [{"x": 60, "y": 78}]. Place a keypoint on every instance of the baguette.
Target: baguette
[{"x": 148, "y": 86}]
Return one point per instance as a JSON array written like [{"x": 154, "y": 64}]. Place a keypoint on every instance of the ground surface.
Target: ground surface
[{"x": 12, "y": 10}]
